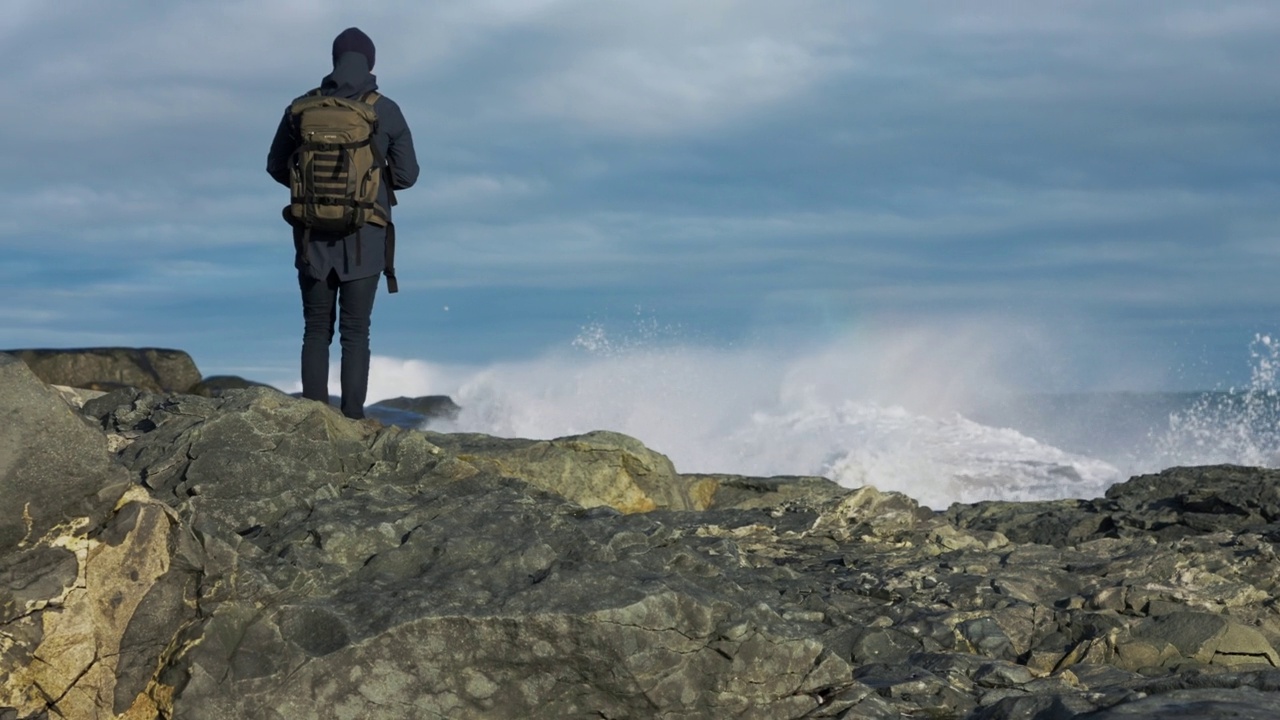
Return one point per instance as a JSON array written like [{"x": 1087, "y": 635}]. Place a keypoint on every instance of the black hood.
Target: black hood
[{"x": 350, "y": 77}]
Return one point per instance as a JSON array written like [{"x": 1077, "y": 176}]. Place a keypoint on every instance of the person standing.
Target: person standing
[{"x": 338, "y": 272}]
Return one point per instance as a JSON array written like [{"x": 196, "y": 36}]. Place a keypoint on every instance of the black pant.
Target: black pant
[{"x": 351, "y": 303}]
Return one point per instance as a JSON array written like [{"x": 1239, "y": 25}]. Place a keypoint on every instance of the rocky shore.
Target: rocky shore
[{"x": 246, "y": 554}]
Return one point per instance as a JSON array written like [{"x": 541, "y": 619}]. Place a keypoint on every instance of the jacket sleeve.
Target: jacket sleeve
[
  {"x": 404, "y": 162},
  {"x": 282, "y": 147}
]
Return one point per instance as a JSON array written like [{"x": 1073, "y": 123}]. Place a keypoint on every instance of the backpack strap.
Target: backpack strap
[
  {"x": 390, "y": 270},
  {"x": 370, "y": 98}
]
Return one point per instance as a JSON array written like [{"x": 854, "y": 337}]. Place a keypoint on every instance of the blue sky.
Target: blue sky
[{"x": 740, "y": 171}]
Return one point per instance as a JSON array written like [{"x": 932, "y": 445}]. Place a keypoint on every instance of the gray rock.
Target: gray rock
[
  {"x": 414, "y": 412},
  {"x": 1209, "y": 639},
  {"x": 722, "y": 491},
  {"x": 218, "y": 385},
  {"x": 386, "y": 577},
  {"x": 1059, "y": 523},
  {"x": 277, "y": 560},
  {"x": 55, "y": 470},
  {"x": 1181, "y": 501},
  {"x": 1240, "y": 704},
  {"x": 108, "y": 368},
  {"x": 595, "y": 469}
]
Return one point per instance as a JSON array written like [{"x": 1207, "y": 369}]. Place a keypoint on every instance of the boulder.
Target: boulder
[
  {"x": 1059, "y": 523},
  {"x": 415, "y": 412},
  {"x": 723, "y": 491},
  {"x": 55, "y": 470},
  {"x": 216, "y": 385},
  {"x": 595, "y": 469},
  {"x": 107, "y": 368},
  {"x": 1207, "y": 639}
]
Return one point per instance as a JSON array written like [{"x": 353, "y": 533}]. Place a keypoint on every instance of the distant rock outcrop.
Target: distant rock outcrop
[
  {"x": 254, "y": 555},
  {"x": 108, "y": 368},
  {"x": 427, "y": 409},
  {"x": 216, "y": 385}
]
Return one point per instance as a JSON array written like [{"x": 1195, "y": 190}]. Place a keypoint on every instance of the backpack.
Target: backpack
[{"x": 336, "y": 171}]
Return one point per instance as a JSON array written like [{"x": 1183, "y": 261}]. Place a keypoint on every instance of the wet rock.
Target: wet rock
[
  {"x": 415, "y": 412},
  {"x": 1242, "y": 704},
  {"x": 1182, "y": 501}
]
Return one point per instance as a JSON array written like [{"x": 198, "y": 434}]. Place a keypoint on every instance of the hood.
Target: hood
[{"x": 350, "y": 78}]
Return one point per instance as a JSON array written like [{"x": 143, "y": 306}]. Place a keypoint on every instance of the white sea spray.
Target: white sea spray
[{"x": 909, "y": 410}]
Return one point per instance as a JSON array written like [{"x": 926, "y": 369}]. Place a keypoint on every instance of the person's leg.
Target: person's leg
[
  {"x": 355, "y": 308},
  {"x": 319, "y": 309}
]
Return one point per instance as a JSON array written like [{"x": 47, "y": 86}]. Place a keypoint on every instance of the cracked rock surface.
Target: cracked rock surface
[{"x": 271, "y": 559}]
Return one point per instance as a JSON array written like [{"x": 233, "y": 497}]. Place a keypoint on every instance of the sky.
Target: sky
[{"x": 1098, "y": 175}]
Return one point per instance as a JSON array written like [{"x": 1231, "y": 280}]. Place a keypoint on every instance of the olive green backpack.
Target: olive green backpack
[{"x": 336, "y": 171}]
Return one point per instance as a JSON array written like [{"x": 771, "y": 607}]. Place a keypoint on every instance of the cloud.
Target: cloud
[
  {"x": 629, "y": 91},
  {"x": 472, "y": 190},
  {"x": 729, "y": 161}
]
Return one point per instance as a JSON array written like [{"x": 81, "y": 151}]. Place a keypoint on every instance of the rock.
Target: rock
[
  {"x": 595, "y": 469},
  {"x": 416, "y": 412},
  {"x": 90, "y": 616},
  {"x": 217, "y": 385},
  {"x": 1172, "y": 504},
  {"x": 871, "y": 515},
  {"x": 915, "y": 687},
  {"x": 55, "y": 470},
  {"x": 357, "y": 571},
  {"x": 1209, "y": 639},
  {"x": 1054, "y": 522},
  {"x": 77, "y": 397},
  {"x": 883, "y": 645},
  {"x": 1181, "y": 501},
  {"x": 1239, "y": 704},
  {"x": 1197, "y": 694},
  {"x": 720, "y": 491},
  {"x": 408, "y": 413},
  {"x": 107, "y": 368},
  {"x": 274, "y": 559}
]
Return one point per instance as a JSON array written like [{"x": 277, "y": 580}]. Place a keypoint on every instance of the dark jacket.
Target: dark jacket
[{"x": 324, "y": 253}]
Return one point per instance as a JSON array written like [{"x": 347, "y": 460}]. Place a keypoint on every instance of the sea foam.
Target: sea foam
[{"x": 909, "y": 411}]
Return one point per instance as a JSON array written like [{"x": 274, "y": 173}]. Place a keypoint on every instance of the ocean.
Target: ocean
[{"x": 905, "y": 416}]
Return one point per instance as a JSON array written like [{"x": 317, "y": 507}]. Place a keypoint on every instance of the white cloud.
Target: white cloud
[
  {"x": 630, "y": 91},
  {"x": 474, "y": 191}
]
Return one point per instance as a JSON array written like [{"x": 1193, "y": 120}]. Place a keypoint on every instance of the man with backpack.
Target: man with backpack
[{"x": 343, "y": 150}]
